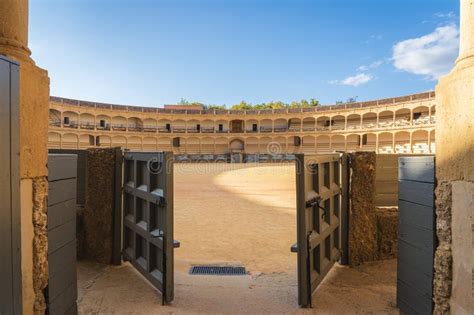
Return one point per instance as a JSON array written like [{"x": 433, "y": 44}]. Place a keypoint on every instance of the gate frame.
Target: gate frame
[{"x": 305, "y": 290}]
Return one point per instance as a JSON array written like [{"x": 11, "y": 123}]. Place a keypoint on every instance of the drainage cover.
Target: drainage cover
[{"x": 217, "y": 270}]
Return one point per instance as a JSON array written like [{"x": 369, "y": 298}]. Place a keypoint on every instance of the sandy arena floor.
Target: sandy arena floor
[{"x": 241, "y": 214}]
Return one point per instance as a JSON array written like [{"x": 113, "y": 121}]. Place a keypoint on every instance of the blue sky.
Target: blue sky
[{"x": 145, "y": 52}]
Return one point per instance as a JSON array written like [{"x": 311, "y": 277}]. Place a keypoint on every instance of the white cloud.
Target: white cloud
[
  {"x": 373, "y": 65},
  {"x": 442, "y": 15},
  {"x": 432, "y": 55},
  {"x": 356, "y": 80}
]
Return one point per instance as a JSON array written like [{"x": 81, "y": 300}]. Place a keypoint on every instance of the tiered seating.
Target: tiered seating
[
  {"x": 265, "y": 129},
  {"x": 402, "y": 122},
  {"x": 423, "y": 120},
  {"x": 295, "y": 125},
  {"x": 207, "y": 129},
  {"x": 338, "y": 125},
  {"x": 55, "y": 122}
]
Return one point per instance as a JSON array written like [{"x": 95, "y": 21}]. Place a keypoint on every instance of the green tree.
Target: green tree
[{"x": 242, "y": 106}]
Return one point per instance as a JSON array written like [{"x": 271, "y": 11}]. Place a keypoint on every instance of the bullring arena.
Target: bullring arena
[{"x": 394, "y": 125}]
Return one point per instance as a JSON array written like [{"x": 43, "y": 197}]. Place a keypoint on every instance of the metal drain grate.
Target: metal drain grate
[{"x": 217, "y": 270}]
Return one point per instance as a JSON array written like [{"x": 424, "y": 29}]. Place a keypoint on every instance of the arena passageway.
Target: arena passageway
[{"x": 237, "y": 214}]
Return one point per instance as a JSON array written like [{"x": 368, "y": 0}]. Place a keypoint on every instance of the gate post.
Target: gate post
[
  {"x": 33, "y": 154},
  {"x": 345, "y": 176}
]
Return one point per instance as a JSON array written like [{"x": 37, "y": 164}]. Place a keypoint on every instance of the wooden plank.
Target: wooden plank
[
  {"x": 419, "y": 168},
  {"x": 61, "y": 258},
  {"x": 417, "y": 192},
  {"x": 416, "y": 258},
  {"x": 415, "y": 214},
  {"x": 62, "y": 281},
  {"x": 61, "y": 213},
  {"x": 410, "y": 297},
  {"x": 61, "y": 235},
  {"x": 60, "y": 191},
  {"x": 61, "y": 166},
  {"x": 412, "y": 278}
]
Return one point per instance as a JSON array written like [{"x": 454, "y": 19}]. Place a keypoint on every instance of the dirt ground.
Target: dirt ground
[{"x": 237, "y": 214}]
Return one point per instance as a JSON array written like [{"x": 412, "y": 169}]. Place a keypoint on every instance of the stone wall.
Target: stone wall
[
  {"x": 96, "y": 221},
  {"x": 453, "y": 286},
  {"x": 372, "y": 230}
]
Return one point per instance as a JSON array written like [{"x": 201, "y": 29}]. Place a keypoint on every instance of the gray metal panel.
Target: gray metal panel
[
  {"x": 61, "y": 212},
  {"x": 65, "y": 302},
  {"x": 62, "y": 257},
  {"x": 117, "y": 212},
  {"x": 415, "y": 214},
  {"x": 61, "y": 281},
  {"x": 10, "y": 272},
  {"x": 416, "y": 235},
  {"x": 417, "y": 168},
  {"x": 61, "y": 191},
  {"x": 416, "y": 192},
  {"x": 61, "y": 235},
  {"x": 61, "y": 166}
]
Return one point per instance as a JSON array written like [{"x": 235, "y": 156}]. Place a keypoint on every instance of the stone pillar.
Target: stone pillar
[
  {"x": 362, "y": 214},
  {"x": 453, "y": 287},
  {"x": 34, "y": 102}
]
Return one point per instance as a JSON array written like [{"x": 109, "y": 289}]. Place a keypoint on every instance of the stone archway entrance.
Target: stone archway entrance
[{"x": 236, "y": 148}]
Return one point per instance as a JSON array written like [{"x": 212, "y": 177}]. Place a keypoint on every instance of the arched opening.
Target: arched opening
[
  {"x": 164, "y": 144},
  {"x": 281, "y": 125},
  {"x": 207, "y": 126},
  {"x": 338, "y": 143},
  {"x": 87, "y": 121},
  {"x": 251, "y": 145},
  {"x": 279, "y": 145},
  {"x": 179, "y": 126},
  {"x": 402, "y": 117},
  {"x": 265, "y": 145},
  {"x": 54, "y": 118},
  {"x": 135, "y": 124},
  {"x": 149, "y": 144},
  {"x": 207, "y": 145},
  {"x": 104, "y": 141},
  {"x": 150, "y": 125},
  {"x": 70, "y": 119},
  {"x": 323, "y": 144},
  {"x": 54, "y": 140},
  {"x": 353, "y": 143},
  {"x": 353, "y": 122},
  {"x": 308, "y": 144},
  {"x": 385, "y": 142},
  {"x": 119, "y": 141},
  {"x": 420, "y": 142},
  {"x": 386, "y": 119},
  {"x": 369, "y": 142},
  {"x": 70, "y": 141},
  {"x": 86, "y": 141},
  {"x": 222, "y": 145},
  {"x": 119, "y": 123},
  {"x": 134, "y": 144},
  {"x": 222, "y": 126},
  {"x": 237, "y": 145},
  {"x": 103, "y": 122},
  {"x": 164, "y": 126},
  {"x": 369, "y": 120},
  {"x": 421, "y": 115},
  {"x": 193, "y": 126},
  {"x": 237, "y": 126},
  {"x": 266, "y": 125},
  {"x": 309, "y": 124},
  {"x": 251, "y": 126},
  {"x": 193, "y": 145},
  {"x": 402, "y": 142},
  {"x": 323, "y": 123},
  {"x": 338, "y": 122},
  {"x": 294, "y": 124}
]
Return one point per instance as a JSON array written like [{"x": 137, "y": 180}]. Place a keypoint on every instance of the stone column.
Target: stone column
[
  {"x": 453, "y": 287},
  {"x": 34, "y": 102}
]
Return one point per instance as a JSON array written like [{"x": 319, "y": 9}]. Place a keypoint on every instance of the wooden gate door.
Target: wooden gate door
[
  {"x": 148, "y": 218},
  {"x": 321, "y": 188}
]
